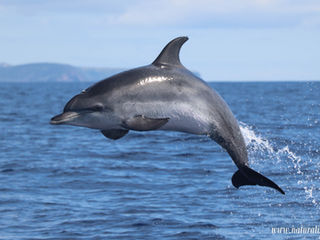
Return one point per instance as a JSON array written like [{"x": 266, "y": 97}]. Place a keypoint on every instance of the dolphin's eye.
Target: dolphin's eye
[{"x": 97, "y": 108}]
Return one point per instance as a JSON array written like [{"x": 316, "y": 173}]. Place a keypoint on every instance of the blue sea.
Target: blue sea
[{"x": 65, "y": 182}]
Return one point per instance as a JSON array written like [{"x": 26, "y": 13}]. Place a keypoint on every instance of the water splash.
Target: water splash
[
  {"x": 253, "y": 141},
  {"x": 261, "y": 148}
]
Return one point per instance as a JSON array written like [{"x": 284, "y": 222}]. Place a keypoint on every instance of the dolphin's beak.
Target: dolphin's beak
[{"x": 64, "y": 118}]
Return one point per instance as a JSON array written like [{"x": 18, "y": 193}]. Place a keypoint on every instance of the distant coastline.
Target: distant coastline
[{"x": 53, "y": 72}]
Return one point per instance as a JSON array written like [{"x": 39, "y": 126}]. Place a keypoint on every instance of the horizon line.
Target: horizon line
[{"x": 5, "y": 65}]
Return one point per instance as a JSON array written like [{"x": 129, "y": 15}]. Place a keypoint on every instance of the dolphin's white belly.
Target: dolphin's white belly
[
  {"x": 186, "y": 124},
  {"x": 183, "y": 117}
]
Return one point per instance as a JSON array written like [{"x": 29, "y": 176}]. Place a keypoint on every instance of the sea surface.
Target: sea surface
[{"x": 65, "y": 182}]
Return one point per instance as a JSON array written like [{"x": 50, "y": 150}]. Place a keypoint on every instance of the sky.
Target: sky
[{"x": 229, "y": 40}]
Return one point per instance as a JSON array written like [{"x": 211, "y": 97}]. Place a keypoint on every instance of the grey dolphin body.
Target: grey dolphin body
[{"x": 162, "y": 96}]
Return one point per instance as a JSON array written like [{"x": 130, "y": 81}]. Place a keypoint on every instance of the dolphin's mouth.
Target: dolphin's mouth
[{"x": 64, "y": 118}]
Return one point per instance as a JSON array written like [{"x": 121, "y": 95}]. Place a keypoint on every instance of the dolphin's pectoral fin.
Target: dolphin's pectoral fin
[
  {"x": 114, "y": 133},
  {"x": 142, "y": 123},
  {"x": 247, "y": 176}
]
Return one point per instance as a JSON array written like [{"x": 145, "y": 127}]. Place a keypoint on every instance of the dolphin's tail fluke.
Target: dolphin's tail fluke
[{"x": 247, "y": 176}]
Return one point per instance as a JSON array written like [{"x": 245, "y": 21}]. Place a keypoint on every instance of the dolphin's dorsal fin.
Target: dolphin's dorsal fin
[{"x": 170, "y": 54}]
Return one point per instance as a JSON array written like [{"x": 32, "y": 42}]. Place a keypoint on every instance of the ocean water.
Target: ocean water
[{"x": 64, "y": 182}]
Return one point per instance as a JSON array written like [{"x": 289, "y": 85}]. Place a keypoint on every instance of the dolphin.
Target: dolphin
[{"x": 162, "y": 96}]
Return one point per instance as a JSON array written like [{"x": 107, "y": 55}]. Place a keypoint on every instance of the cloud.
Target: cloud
[
  {"x": 216, "y": 13},
  {"x": 173, "y": 13}
]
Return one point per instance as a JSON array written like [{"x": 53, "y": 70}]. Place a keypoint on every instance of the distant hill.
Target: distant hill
[{"x": 52, "y": 72}]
